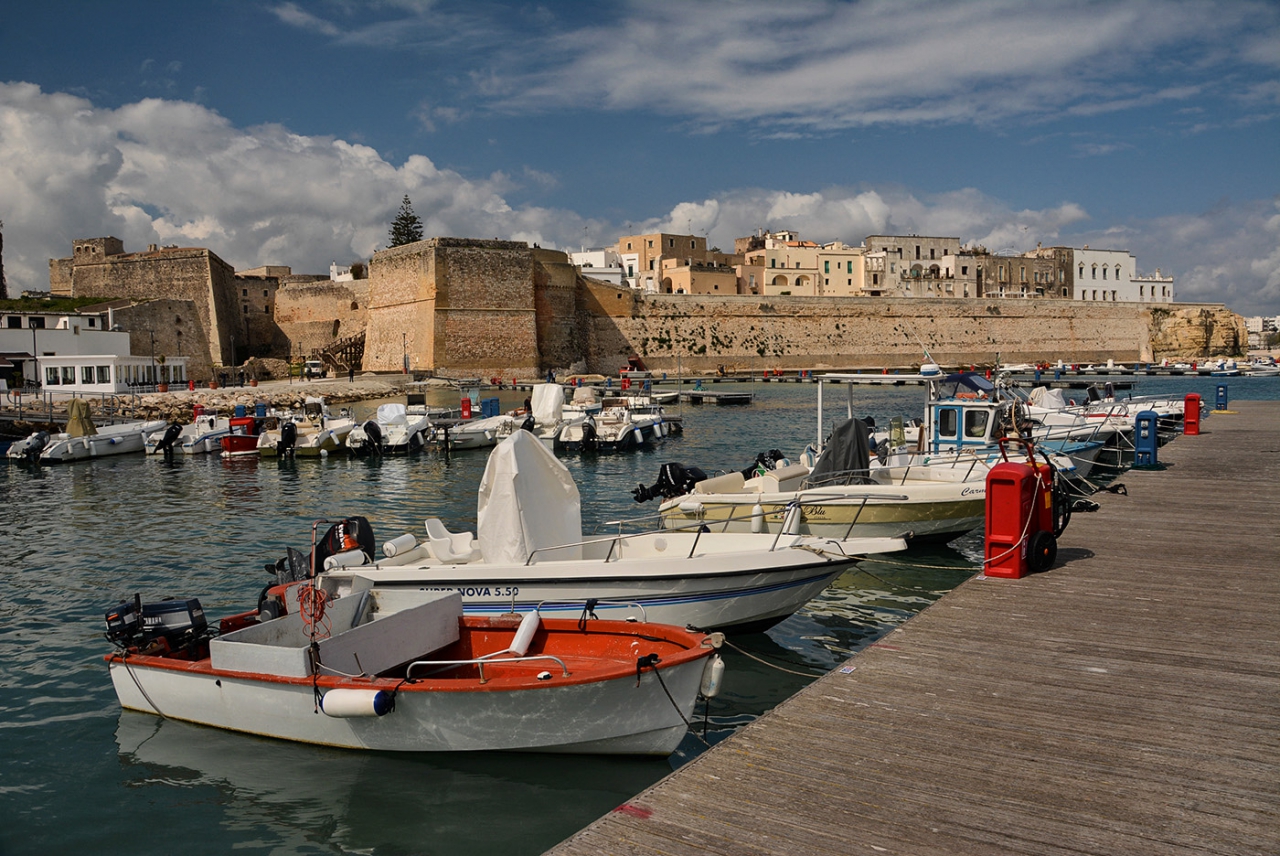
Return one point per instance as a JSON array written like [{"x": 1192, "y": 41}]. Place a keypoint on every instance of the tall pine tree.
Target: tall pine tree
[{"x": 407, "y": 227}]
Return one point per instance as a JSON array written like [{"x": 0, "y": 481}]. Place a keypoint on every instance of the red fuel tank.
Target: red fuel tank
[
  {"x": 1011, "y": 519},
  {"x": 466, "y": 407}
]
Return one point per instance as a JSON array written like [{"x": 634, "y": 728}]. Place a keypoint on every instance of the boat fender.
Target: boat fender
[
  {"x": 637, "y": 436},
  {"x": 524, "y": 633},
  {"x": 712, "y": 677},
  {"x": 347, "y": 704},
  {"x": 757, "y": 518},
  {"x": 349, "y": 559},
  {"x": 691, "y": 506},
  {"x": 791, "y": 521},
  {"x": 398, "y": 545}
]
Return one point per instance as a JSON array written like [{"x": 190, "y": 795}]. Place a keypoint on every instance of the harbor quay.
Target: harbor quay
[{"x": 1125, "y": 701}]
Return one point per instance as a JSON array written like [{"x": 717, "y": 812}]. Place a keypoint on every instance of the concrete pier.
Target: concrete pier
[{"x": 1127, "y": 701}]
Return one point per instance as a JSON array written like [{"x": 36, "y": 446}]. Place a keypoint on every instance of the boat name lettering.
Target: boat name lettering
[
  {"x": 479, "y": 591},
  {"x": 974, "y": 491}
]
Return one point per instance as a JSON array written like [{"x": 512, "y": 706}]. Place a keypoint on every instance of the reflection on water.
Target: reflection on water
[{"x": 80, "y": 776}]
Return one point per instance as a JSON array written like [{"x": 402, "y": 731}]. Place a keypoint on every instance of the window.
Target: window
[
  {"x": 826, "y": 282},
  {"x": 244, "y": 292},
  {"x": 50, "y": 375},
  {"x": 631, "y": 270},
  {"x": 947, "y": 421},
  {"x": 93, "y": 322},
  {"x": 1022, "y": 274},
  {"x": 975, "y": 423},
  {"x": 1113, "y": 295},
  {"x": 245, "y": 308},
  {"x": 1094, "y": 271},
  {"x": 875, "y": 279},
  {"x": 14, "y": 322},
  {"x": 266, "y": 309},
  {"x": 264, "y": 293},
  {"x": 797, "y": 265},
  {"x": 773, "y": 263},
  {"x": 931, "y": 252},
  {"x": 628, "y": 245},
  {"x": 1062, "y": 276},
  {"x": 104, "y": 374},
  {"x": 893, "y": 267},
  {"x": 693, "y": 245},
  {"x": 86, "y": 374},
  {"x": 850, "y": 267},
  {"x": 1001, "y": 277},
  {"x": 1104, "y": 273},
  {"x": 650, "y": 264},
  {"x": 68, "y": 374},
  {"x": 1064, "y": 292},
  {"x": 651, "y": 245},
  {"x": 35, "y": 323},
  {"x": 1142, "y": 291},
  {"x": 826, "y": 267},
  {"x": 1082, "y": 271}
]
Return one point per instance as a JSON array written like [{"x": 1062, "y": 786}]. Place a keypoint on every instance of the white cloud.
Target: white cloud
[
  {"x": 814, "y": 66},
  {"x": 175, "y": 172}
]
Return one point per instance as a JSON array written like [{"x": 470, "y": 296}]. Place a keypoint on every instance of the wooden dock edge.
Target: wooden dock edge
[{"x": 1127, "y": 701}]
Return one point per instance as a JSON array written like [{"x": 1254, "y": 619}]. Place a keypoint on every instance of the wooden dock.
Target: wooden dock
[{"x": 1127, "y": 701}]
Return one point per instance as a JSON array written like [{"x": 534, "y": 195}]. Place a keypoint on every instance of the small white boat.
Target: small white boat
[
  {"x": 394, "y": 429},
  {"x": 202, "y": 435},
  {"x": 372, "y": 671},
  {"x": 482, "y": 433},
  {"x": 82, "y": 440},
  {"x": 313, "y": 433},
  {"x": 531, "y": 551}
]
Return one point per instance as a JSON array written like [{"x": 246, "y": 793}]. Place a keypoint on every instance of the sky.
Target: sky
[{"x": 288, "y": 132}]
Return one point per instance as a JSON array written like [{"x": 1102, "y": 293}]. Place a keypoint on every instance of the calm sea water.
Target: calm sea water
[{"x": 79, "y": 775}]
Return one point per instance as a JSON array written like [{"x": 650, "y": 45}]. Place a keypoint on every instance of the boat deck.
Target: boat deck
[{"x": 1126, "y": 701}]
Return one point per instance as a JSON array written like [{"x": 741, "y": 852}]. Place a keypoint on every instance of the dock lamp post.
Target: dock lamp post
[
  {"x": 35, "y": 355},
  {"x": 404, "y": 352}
]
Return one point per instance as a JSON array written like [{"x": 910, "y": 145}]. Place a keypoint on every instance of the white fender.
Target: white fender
[
  {"x": 349, "y": 559},
  {"x": 524, "y": 633},
  {"x": 757, "y": 518},
  {"x": 399, "y": 545},
  {"x": 344, "y": 704},
  {"x": 712, "y": 677}
]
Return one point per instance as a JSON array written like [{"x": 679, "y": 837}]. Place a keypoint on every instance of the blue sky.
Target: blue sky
[{"x": 287, "y": 132}]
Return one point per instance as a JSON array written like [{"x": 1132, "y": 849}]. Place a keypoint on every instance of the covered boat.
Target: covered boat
[
  {"x": 842, "y": 496},
  {"x": 531, "y": 551},
  {"x": 82, "y": 439},
  {"x": 312, "y": 433},
  {"x": 393, "y": 429},
  {"x": 378, "y": 670}
]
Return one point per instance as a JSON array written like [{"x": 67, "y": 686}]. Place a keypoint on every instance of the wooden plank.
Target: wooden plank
[{"x": 1127, "y": 701}]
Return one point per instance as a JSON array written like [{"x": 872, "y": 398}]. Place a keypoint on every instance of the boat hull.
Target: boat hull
[
  {"x": 729, "y": 590},
  {"x": 595, "y": 709},
  {"x": 111, "y": 440}
]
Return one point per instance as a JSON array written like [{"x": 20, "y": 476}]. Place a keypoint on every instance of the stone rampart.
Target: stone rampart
[
  {"x": 315, "y": 314},
  {"x": 697, "y": 332}
]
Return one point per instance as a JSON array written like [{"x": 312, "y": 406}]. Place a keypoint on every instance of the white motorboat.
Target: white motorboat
[
  {"x": 1262, "y": 367},
  {"x": 314, "y": 432},
  {"x": 617, "y": 428},
  {"x": 482, "y": 433},
  {"x": 82, "y": 440},
  {"x": 202, "y": 435},
  {"x": 841, "y": 496},
  {"x": 378, "y": 671},
  {"x": 394, "y": 429},
  {"x": 531, "y": 551}
]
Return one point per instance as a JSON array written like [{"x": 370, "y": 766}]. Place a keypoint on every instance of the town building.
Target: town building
[{"x": 603, "y": 264}]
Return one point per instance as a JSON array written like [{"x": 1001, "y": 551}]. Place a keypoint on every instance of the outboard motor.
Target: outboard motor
[
  {"x": 34, "y": 445},
  {"x": 764, "y": 462},
  {"x": 673, "y": 480},
  {"x": 372, "y": 437},
  {"x": 528, "y": 424},
  {"x": 288, "y": 439},
  {"x": 170, "y": 437}
]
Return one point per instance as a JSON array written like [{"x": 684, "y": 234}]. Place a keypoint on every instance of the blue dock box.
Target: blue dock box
[
  {"x": 1145, "y": 439},
  {"x": 1222, "y": 397}
]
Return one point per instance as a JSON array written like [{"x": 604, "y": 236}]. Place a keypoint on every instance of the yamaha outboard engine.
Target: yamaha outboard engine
[
  {"x": 170, "y": 437},
  {"x": 590, "y": 440},
  {"x": 288, "y": 438},
  {"x": 673, "y": 480},
  {"x": 528, "y": 424},
  {"x": 764, "y": 461}
]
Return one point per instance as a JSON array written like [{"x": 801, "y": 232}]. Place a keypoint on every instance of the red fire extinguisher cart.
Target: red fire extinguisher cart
[{"x": 1019, "y": 535}]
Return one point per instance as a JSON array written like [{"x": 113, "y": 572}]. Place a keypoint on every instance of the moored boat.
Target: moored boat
[{"x": 373, "y": 671}]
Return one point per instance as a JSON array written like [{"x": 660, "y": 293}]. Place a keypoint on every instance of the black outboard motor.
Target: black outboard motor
[
  {"x": 288, "y": 438},
  {"x": 170, "y": 437},
  {"x": 35, "y": 445},
  {"x": 351, "y": 533},
  {"x": 373, "y": 437},
  {"x": 590, "y": 440},
  {"x": 673, "y": 480},
  {"x": 528, "y": 424}
]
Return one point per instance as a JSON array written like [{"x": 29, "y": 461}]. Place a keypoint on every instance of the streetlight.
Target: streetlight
[{"x": 404, "y": 351}]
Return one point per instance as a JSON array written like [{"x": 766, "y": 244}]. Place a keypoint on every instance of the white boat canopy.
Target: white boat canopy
[
  {"x": 527, "y": 502},
  {"x": 548, "y": 403}
]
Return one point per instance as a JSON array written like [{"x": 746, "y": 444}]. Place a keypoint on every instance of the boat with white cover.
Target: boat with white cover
[
  {"x": 384, "y": 671},
  {"x": 531, "y": 551},
  {"x": 393, "y": 429}
]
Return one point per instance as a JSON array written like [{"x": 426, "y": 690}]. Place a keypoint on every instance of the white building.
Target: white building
[
  {"x": 77, "y": 353},
  {"x": 1112, "y": 276},
  {"x": 603, "y": 263},
  {"x": 340, "y": 273}
]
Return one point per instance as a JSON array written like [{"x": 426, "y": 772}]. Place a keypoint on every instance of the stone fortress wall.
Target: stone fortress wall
[
  {"x": 313, "y": 313},
  {"x": 702, "y": 332}
]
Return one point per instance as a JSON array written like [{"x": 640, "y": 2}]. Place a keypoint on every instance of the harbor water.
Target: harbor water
[{"x": 79, "y": 775}]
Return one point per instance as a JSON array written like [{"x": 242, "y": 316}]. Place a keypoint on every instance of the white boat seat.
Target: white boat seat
[
  {"x": 450, "y": 547},
  {"x": 728, "y": 483}
]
